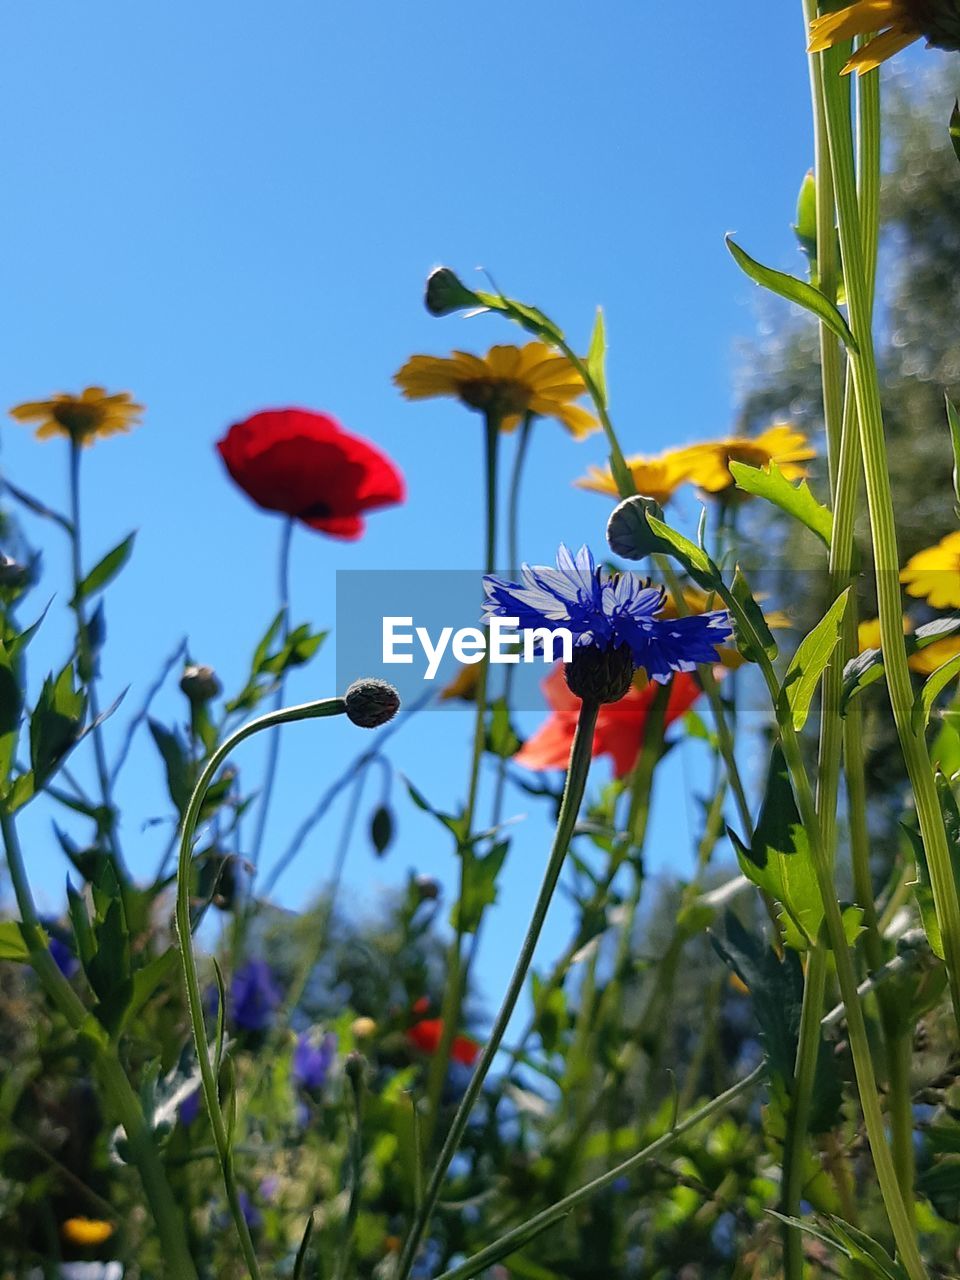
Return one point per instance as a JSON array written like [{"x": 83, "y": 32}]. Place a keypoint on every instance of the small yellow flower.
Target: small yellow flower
[
  {"x": 463, "y": 686},
  {"x": 510, "y": 381},
  {"x": 897, "y": 22},
  {"x": 86, "y": 1231},
  {"x": 708, "y": 465},
  {"x": 363, "y": 1028},
  {"x": 934, "y": 573},
  {"x": 81, "y": 418},
  {"x": 656, "y": 478}
]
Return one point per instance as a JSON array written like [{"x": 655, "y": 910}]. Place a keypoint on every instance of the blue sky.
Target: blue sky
[{"x": 225, "y": 207}]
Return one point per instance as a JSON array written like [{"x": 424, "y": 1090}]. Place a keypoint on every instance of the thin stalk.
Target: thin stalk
[
  {"x": 457, "y": 969},
  {"x": 117, "y": 1089},
  {"x": 87, "y": 666},
  {"x": 272, "y": 720},
  {"x": 273, "y": 751},
  {"x": 883, "y": 531},
  {"x": 566, "y": 821}
]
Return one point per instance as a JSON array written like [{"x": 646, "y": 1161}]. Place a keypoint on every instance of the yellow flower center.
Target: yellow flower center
[{"x": 500, "y": 396}]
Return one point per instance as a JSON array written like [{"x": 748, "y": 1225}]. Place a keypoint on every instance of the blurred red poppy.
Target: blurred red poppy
[
  {"x": 620, "y": 725},
  {"x": 304, "y": 464},
  {"x": 427, "y": 1034}
]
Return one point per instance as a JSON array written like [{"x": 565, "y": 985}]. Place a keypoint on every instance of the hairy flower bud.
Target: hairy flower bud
[
  {"x": 446, "y": 293},
  {"x": 427, "y": 888},
  {"x": 13, "y": 574},
  {"x": 628, "y": 533},
  {"x": 371, "y": 702},
  {"x": 200, "y": 683},
  {"x": 600, "y": 675}
]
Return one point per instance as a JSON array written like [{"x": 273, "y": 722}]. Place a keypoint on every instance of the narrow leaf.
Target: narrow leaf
[
  {"x": 867, "y": 668},
  {"x": 104, "y": 571},
  {"x": 794, "y": 290},
  {"x": 795, "y": 500},
  {"x": 923, "y": 704},
  {"x": 597, "y": 356},
  {"x": 953, "y": 418},
  {"x": 810, "y": 661},
  {"x": 758, "y": 624}
]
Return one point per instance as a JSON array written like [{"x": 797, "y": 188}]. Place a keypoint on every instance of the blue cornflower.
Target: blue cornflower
[
  {"x": 606, "y": 610},
  {"x": 254, "y": 996},
  {"x": 312, "y": 1059}
]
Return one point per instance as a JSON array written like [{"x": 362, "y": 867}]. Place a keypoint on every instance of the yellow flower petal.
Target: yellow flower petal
[
  {"x": 934, "y": 573},
  {"x": 855, "y": 20},
  {"x": 82, "y": 418},
  {"x": 86, "y": 1231}
]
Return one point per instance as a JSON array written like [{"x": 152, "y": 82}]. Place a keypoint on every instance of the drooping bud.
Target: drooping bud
[
  {"x": 200, "y": 683},
  {"x": 371, "y": 702},
  {"x": 446, "y": 293},
  {"x": 600, "y": 675},
  {"x": 427, "y": 888},
  {"x": 13, "y": 574},
  {"x": 628, "y": 533}
]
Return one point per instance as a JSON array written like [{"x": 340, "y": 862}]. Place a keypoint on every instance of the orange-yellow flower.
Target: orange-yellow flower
[
  {"x": 86, "y": 1231},
  {"x": 81, "y": 418},
  {"x": 508, "y": 381},
  {"x": 897, "y": 22},
  {"x": 657, "y": 478},
  {"x": 708, "y": 465},
  {"x": 934, "y": 573}
]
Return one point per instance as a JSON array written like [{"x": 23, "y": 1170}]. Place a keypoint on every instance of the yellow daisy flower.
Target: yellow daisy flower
[
  {"x": 934, "y": 573},
  {"x": 81, "y": 418},
  {"x": 657, "y": 478},
  {"x": 926, "y": 661},
  {"x": 898, "y": 23},
  {"x": 708, "y": 465},
  {"x": 511, "y": 381},
  {"x": 86, "y": 1231}
]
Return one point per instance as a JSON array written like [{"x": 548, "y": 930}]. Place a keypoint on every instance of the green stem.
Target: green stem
[
  {"x": 566, "y": 821},
  {"x": 801, "y": 1101},
  {"x": 457, "y": 969},
  {"x": 883, "y": 531},
  {"x": 86, "y": 666},
  {"x": 273, "y": 719},
  {"x": 120, "y": 1096}
]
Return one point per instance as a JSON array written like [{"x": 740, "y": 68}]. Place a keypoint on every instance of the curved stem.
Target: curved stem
[
  {"x": 273, "y": 752},
  {"x": 566, "y": 821},
  {"x": 273, "y": 719},
  {"x": 117, "y": 1089}
]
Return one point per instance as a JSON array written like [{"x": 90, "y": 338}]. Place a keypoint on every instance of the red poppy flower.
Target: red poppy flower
[
  {"x": 620, "y": 725},
  {"x": 427, "y": 1034},
  {"x": 304, "y": 464}
]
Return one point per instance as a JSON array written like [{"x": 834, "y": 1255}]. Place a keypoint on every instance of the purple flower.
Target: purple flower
[
  {"x": 254, "y": 996},
  {"x": 312, "y": 1059},
  {"x": 63, "y": 954},
  {"x": 605, "y": 610},
  {"x": 251, "y": 1214},
  {"x": 189, "y": 1109}
]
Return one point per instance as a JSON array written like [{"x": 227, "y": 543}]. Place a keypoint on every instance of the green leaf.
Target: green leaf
[
  {"x": 530, "y": 318},
  {"x": 795, "y": 500},
  {"x": 55, "y": 724},
  {"x": 955, "y": 128},
  {"x": 454, "y": 824},
  {"x": 479, "y": 887},
  {"x": 810, "y": 661},
  {"x": 794, "y": 290},
  {"x": 696, "y": 562},
  {"x": 177, "y": 764},
  {"x": 109, "y": 969},
  {"x": 867, "y": 667},
  {"x": 758, "y": 624},
  {"x": 552, "y": 1016},
  {"x": 805, "y": 227},
  {"x": 82, "y": 930},
  {"x": 104, "y": 571},
  {"x": 12, "y": 945},
  {"x": 933, "y": 687},
  {"x": 597, "y": 356},
  {"x": 148, "y": 980},
  {"x": 778, "y": 859},
  {"x": 776, "y": 989},
  {"x": 851, "y": 1242},
  {"x": 953, "y": 419},
  {"x": 923, "y": 892},
  {"x": 501, "y": 741},
  {"x": 301, "y": 1259},
  {"x": 381, "y": 830}
]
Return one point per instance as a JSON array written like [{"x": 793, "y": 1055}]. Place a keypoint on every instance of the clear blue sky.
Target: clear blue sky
[{"x": 224, "y": 207}]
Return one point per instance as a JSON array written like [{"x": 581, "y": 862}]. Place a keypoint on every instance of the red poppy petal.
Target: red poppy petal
[
  {"x": 348, "y": 527},
  {"x": 464, "y": 1050},
  {"x": 426, "y": 1035},
  {"x": 549, "y": 747}
]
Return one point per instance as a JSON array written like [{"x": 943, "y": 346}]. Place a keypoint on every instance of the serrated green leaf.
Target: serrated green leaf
[
  {"x": 597, "y": 356},
  {"x": 794, "y": 290},
  {"x": 104, "y": 571},
  {"x": 12, "y": 945},
  {"x": 811, "y": 660},
  {"x": 867, "y": 667},
  {"x": 932, "y": 688},
  {"x": 795, "y": 500},
  {"x": 778, "y": 859}
]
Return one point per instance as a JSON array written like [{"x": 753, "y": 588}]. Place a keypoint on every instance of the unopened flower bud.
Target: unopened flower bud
[
  {"x": 371, "y": 702},
  {"x": 427, "y": 888},
  {"x": 600, "y": 675},
  {"x": 446, "y": 293},
  {"x": 628, "y": 533},
  {"x": 362, "y": 1028},
  {"x": 199, "y": 683},
  {"x": 12, "y": 573},
  {"x": 355, "y": 1068}
]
